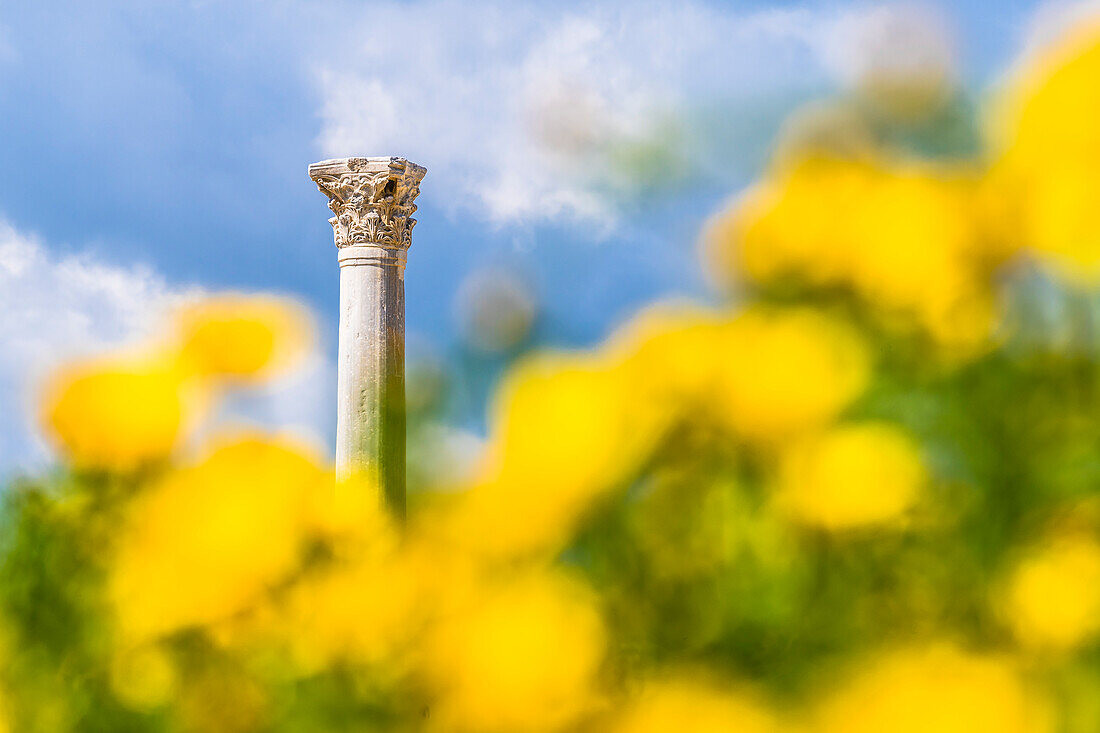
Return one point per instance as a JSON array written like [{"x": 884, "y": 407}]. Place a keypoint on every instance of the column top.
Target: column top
[
  {"x": 395, "y": 166},
  {"x": 372, "y": 199}
]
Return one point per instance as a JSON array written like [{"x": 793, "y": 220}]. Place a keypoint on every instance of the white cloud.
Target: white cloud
[
  {"x": 54, "y": 308},
  {"x": 57, "y": 307},
  {"x": 511, "y": 105}
]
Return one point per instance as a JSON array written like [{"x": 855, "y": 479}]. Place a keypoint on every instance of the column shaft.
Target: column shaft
[{"x": 370, "y": 424}]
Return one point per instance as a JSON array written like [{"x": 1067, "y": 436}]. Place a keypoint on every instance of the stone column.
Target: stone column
[{"x": 372, "y": 199}]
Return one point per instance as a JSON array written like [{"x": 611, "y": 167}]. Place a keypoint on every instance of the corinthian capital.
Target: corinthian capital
[{"x": 372, "y": 199}]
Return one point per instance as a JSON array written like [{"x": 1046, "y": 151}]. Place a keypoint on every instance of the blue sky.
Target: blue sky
[{"x": 151, "y": 148}]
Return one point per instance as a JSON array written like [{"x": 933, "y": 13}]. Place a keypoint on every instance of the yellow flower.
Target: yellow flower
[
  {"x": 919, "y": 253},
  {"x": 904, "y": 237},
  {"x": 351, "y": 509},
  {"x": 851, "y": 476},
  {"x": 1043, "y": 125},
  {"x": 241, "y": 336},
  {"x": 364, "y": 612},
  {"x": 696, "y": 706},
  {"x": 785, "y": 372},
  {"x": 143, "y": 677},
  {"x": 116, "y": 414},
  {"x": 790, "y": 224},
  {"x": 524, "y": 658},
  {"x": 565, "y": 429},
  {"x": 363, "y": 607},
  {"x": 1053, "y": 598},
  {"x": 669, "y": 353},
  {"x": 208, "y": 539},
  {"x": 935, "y": 688}
]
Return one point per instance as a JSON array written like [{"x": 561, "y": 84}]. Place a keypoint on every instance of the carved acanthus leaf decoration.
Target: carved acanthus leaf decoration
[{"x": 372, "y": 199}]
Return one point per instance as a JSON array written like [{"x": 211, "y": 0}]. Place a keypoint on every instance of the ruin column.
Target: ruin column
[{"x": 373, "y": 202}]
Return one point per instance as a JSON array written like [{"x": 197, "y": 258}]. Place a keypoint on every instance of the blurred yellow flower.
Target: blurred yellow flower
[
  {"x": 1048, "y": 150},
  {"x": 362, "y": 607},
  {"x": 782, "y": 372},
  {"x": 790, "y": 224},
  {"x": 351, "y": 509},
  {"x": 669, "y": 352},
  {"x": 116, "y": 413},
  {"x": 1053, "y": 597},
  {"x": 241, "y": 336},
  {"x": 695, "y": 706},
  {"x": 564, "y": 430},
  {"x": 364, "y": 612},
  {"x": 902, "y": 236},
  {"x": 524, "y": 658},
  {"x": 143, "y": 677},
  {"x": 851, "y": 476},
  {"x": 935, "y": 688},
  {"x": 207, "y": 539}
]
